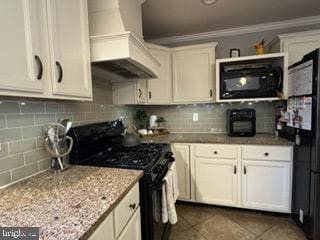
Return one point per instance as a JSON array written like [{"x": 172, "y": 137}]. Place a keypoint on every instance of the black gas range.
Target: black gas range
[{"x": 100, "y": 145}]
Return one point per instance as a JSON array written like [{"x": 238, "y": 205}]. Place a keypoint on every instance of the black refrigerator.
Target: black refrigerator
[{"x": 303, "y": 121}]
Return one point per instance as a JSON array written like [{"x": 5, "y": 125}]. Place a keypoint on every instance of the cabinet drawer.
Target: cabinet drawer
[
  {"x": 223, "y": 151},
  {"x": 104, "y": 231},
  {"x": 125, "y": 209},
  {"x": 267, "y": 153}
]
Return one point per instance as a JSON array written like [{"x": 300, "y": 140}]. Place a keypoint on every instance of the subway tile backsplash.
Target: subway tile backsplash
[
  {"x": 22, "y": 152},
  {"x": 212, "y": 117}
]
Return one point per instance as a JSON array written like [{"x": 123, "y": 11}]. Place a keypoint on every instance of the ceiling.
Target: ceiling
[{"x": 165, "y": 18}]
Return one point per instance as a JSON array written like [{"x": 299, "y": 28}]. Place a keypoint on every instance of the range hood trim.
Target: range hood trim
[{"x": 124, "y": 45}]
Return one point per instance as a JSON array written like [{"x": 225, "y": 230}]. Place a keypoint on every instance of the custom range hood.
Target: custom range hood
[{"x": 116, "y": 39}]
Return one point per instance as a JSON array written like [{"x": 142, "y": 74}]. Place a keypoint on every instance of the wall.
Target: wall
[
  {"x": 22, "y": 153},
  {"x": 212, "y": 117},
  {"x": 246, "y": 42}
]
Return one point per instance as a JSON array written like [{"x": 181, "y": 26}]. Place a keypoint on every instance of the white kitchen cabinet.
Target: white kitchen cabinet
[
  {"x": 160, "y": 89},
  {"x": 296, "y": 44},
  {"x": 133, "y": 229},
  {"x": 104, "y": 231},
  {"x": 37, "y": 35},
  {"x": 182, "y": 157},
  {"x": 193, "y": 73},
  {"x": 129, "y": 92},
  {"x": 141, "y": 91},
  {"x": 216, "y": 181},
  {"x": 69, "y": 43},
  {"x": 245, "y": 176},
  {"x": 266, "y": 185},
  {"x": 22, "y": 51},
  {"x": 124, "y": 222}
]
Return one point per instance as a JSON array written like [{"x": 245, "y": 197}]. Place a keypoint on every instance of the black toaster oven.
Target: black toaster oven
[{"x": 241, "y": 122}]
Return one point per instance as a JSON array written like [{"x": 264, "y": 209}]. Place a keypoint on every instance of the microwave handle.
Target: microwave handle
[{"x": 279, "y": 69}]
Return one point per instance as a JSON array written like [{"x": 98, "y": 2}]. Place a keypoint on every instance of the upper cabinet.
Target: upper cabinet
[
  {"x": 22, "y": 53},
  {"x": 45, "y": 49},
  {"x": 296, "y": 44},
  {"x": 160, "y": 89},
  {"x": 186, "y": 75},
  {"x": 193, "y": 73},
  {"x": 69, "y": 41}
]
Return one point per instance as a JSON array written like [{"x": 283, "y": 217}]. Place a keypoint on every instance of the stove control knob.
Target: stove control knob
[{"x": 169, "y": 156}]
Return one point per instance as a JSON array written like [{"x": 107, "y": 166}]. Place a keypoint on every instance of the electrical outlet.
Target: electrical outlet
[
  {"x": 300, "y": 215},
  {"x": 195, "y": 117}
]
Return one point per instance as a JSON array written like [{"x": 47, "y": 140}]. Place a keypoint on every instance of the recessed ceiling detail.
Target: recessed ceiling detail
[{"x": 167, "y": 18}]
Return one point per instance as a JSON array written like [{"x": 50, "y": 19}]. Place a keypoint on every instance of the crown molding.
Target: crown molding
[{"x": 298, "y": 22}]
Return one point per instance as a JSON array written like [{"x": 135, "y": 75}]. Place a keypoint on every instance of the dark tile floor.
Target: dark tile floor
[{"x": 202, "y": 222}]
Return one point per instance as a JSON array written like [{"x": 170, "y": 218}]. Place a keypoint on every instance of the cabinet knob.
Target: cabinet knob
[
  {"x": 215, "y": 152},
  {"x": 266, "y": 154},
  {"x": 132, "y": 206}
]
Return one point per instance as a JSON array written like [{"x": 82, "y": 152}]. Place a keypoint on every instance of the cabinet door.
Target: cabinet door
[
  {"x": 141, "y": 95},
  {"x": 216, "y": 181},
  {"x": 182, "y": 156},
  {"x": 160, "y": 89},
  {"x": 21, "y": 62},
  {"x": 192, "y": 75},
  {"x": 299, "y": 46},
  {"x": 104, "y": 231},
  {"x": 133, "y": 229},
  {"x": 69, "y": 40},
  {"x": 266, "y": 185}
]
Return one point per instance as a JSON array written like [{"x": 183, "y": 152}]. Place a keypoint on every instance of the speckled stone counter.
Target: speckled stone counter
[
  {"x": 68, "y": 205},
  {"x": 259, "y": 139}
]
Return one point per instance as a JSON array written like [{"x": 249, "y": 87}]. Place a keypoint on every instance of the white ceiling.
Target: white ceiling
[{"x": 164, "y": 18}]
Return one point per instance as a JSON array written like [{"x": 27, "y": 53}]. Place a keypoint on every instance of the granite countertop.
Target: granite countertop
[
  {"x": 68, "y": 205},
  {"x": 259, "y": 139}
]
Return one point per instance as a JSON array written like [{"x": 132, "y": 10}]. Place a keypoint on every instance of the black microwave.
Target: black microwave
[
  {"x": 250, "y": 82},
  {"x": 241, "y": 122}
]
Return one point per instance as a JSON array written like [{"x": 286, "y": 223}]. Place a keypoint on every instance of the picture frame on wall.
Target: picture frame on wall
[{"x": 234, "y": 52}]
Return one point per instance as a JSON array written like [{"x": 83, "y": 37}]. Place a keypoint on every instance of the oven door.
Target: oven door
[
  {"x": 243, "y": 128},
  {"x": 161, "y": 230}
]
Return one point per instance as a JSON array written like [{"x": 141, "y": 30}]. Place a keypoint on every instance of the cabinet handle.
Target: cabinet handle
[
  {"x": 244, "y": 170},
  {"x": 266, "y": 154},
  {"x": 40, "y": 67},
  {"x": 211, "y": 93},
  {"x": 234, "y": 169},
  {"x": 132, "y": 206},
  {"x": 150, "y": 95},
  {"x": 60, "y": 71},
  {"x": 215, "y": 152},
  {"x": 140, "y": 92}
]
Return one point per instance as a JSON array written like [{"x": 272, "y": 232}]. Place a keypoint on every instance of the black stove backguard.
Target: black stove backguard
[{"x": 93, "y": 138}]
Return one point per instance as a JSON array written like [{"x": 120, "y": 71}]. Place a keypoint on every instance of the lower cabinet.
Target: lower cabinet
[
  {"x": 123, "y": 223},
  {"x": 216, "y": 181},
  {"x": 104, "y": 231},
  {"x": 133, "y": 229},
  {"x": 266, "y": 185},
  {"x": 245, "y": 176}
]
